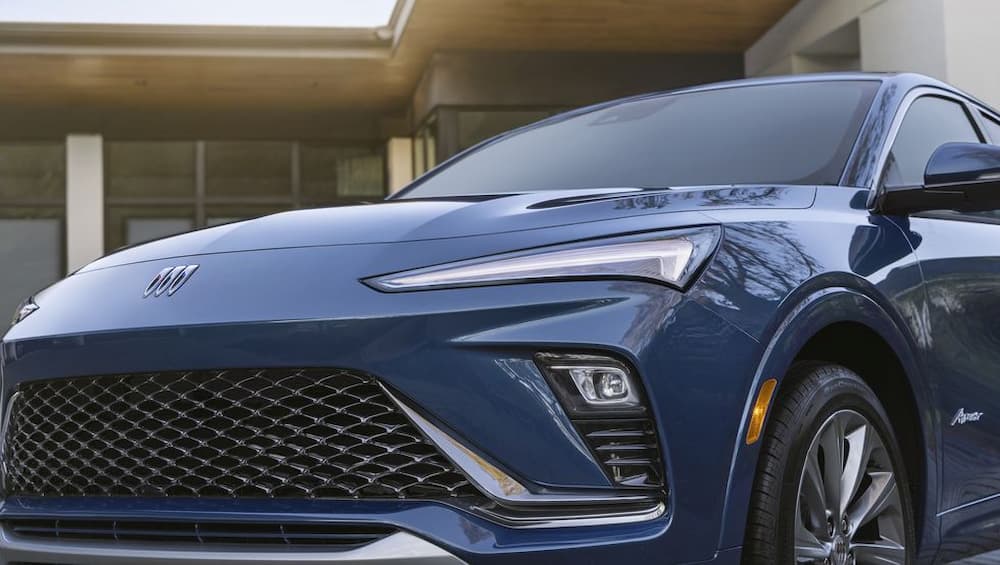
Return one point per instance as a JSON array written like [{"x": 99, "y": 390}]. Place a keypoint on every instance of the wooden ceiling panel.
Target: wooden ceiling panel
[{"x": 98, "y": 65}]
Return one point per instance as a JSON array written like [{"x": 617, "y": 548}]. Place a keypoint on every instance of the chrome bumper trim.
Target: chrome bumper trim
[
  {"x": 578, "y": 519},
  {"x": 398, "y": 549},
  {"x": 546, "y": 510}
]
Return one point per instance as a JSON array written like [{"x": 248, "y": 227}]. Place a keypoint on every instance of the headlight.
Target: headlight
[
  {"x": 24, "y": 310},
  {"x": 670, "y": 258}
]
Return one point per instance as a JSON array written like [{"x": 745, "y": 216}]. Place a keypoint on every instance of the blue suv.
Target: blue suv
[{"x": 753, "y": 322}]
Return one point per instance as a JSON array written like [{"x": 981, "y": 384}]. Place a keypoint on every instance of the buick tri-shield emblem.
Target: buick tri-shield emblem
[{"x": 169, "y": 280}]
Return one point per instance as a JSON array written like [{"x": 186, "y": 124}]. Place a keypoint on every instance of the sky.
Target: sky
[{"x": 311, "y": 13}]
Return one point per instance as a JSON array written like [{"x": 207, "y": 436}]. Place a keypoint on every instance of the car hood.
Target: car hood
[{"x": 414, "y": 220}]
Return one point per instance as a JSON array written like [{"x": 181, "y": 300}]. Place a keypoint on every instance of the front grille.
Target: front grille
[
  {"x": 339, "y": 536},
  {"x": 299, "y": 433}
]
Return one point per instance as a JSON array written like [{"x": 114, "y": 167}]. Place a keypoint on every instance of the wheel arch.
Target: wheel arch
[{"x": 845, "y": 326}]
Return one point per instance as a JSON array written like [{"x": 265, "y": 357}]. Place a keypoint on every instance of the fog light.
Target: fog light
[
  {"x": 600, "y": 385},
  {"x": 604, "y": 398},
  {"x": 594, "y": 384}
]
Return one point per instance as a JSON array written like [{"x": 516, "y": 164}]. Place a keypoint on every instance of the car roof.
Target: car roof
[{"x": 902, "y": 81}]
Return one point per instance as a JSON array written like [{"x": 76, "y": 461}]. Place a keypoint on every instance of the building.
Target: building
[{"x": 115, "y": 134}]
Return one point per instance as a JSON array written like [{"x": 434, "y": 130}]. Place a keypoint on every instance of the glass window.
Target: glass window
[
  {"x": 137, "y": 223},
  {"x": 32, "y": 171},
  {"x": 32, "y": 215},
  {"x": 993, "y": 132},
  {"x": 140, "y": 230},
  {"x": 799, "y": 133},
  {"x": 425, "y": 147},
  {"x": 216, "y": 214},
  {"x": 251, "y": 169},
  {"x": 146, "y": 169},
  {"x": 929, "y": 123},
  {"x": 331, "y": 172},
  {"x": 153, "y": 186},
  {"x": 992, "y": 129},
  {"x": 35, "y": 246}
]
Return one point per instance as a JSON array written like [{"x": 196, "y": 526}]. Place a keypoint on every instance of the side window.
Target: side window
[
  {"x": 929, "y": 123},
  {"x": 992, "y": 129}
]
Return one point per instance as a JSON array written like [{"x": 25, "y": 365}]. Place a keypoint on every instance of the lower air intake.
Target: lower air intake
[{"x": 339, "y": 536}]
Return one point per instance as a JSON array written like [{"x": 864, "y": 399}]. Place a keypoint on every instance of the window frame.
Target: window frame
[{"x": 985, "y": 115}]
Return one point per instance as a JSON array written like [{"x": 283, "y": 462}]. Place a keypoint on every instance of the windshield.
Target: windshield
[{"x": 784, "y": 133}]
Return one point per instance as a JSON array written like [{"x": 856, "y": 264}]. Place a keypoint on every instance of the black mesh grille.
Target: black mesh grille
[
  {"x": 308, "y": 433},
  {"x": 342, "y": 536}
]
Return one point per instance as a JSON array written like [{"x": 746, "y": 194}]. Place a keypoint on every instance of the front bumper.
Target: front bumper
[{"x": 466, "y": 358}]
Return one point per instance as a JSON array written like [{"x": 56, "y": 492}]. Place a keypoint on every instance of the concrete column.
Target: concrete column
[
  {"x": 846, "y": 35},
  {"x": 971, "y": 42},
  {"x": 905, "y": 35},
  {"x": 815, "y": 35},
  {"x": 953, "y": 40},
  {"x": 399, "y": 162},
  {"x": 84, "y": 199}
]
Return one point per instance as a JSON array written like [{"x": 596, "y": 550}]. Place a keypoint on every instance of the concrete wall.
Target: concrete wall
[
  {"x": 812, "y": 30},
  {"x": 904, "y": 35},
  {"x": 953, "y": 40},
  {"x": 972, "y": 53}
]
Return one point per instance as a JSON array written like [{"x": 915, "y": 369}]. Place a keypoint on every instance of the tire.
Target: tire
[{"x": 819, "y": 407}]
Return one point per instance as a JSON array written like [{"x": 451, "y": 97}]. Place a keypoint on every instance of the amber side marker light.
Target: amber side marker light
[{"x": 760, "y": 410}]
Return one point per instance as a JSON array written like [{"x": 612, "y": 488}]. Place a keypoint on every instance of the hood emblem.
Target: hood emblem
[{"x": 169, "y": 280}]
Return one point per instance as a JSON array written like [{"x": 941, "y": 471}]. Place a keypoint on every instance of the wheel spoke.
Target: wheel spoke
[
  {"x": 808, "y": 547},
  {"x": 832, "y": 442},
  {"x": 813, "y": 491},
  {"x": 879, "y": 553},
  {"x": 874, "y": 499},
  {"x": 860, "y": 447}
]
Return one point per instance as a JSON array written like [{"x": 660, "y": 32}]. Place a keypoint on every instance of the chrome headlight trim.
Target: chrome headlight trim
[{"x": 670, "y": 258}]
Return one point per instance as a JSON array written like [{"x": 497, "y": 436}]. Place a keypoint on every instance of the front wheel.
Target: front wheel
[{"x": 830, "y": 487}]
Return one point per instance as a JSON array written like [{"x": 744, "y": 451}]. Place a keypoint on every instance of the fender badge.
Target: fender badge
[{"x": 963, "y": 417}]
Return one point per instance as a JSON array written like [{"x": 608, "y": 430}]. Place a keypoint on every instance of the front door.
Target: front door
[{"x": 960, "y": 260}]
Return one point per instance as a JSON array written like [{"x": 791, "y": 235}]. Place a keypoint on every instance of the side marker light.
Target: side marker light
[{"x": 760, "y": 407}]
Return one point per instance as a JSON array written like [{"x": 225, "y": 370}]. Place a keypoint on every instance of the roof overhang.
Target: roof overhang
[{"x": 374, "y": 69}]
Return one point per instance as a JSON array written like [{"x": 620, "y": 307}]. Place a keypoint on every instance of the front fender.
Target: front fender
[{"x": 804, "y": 318}]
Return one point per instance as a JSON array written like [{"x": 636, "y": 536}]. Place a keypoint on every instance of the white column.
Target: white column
[
  {"x": 972, "y": 39},
  {"x": 815, "y": 35},
  {"x": 84, "y": 199},
  {"x": 869, "y": 35},
  {"x": 399, "y": 162},
  {"x": 904, "y": 35}
]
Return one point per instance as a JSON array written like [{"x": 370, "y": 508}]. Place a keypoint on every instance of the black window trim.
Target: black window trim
[{"x": 982, "y": 115}]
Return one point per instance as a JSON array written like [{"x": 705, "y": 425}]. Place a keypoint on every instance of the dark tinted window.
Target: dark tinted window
[
  {"x": 992, "y": 129},
  {"x": 778, "y": 133},
  {"x": 993, "y": 132},
  {"x": 929, "y": 123}
]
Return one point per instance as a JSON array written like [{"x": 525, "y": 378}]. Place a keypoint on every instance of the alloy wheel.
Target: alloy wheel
[{"x": 849, "y": 510}]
